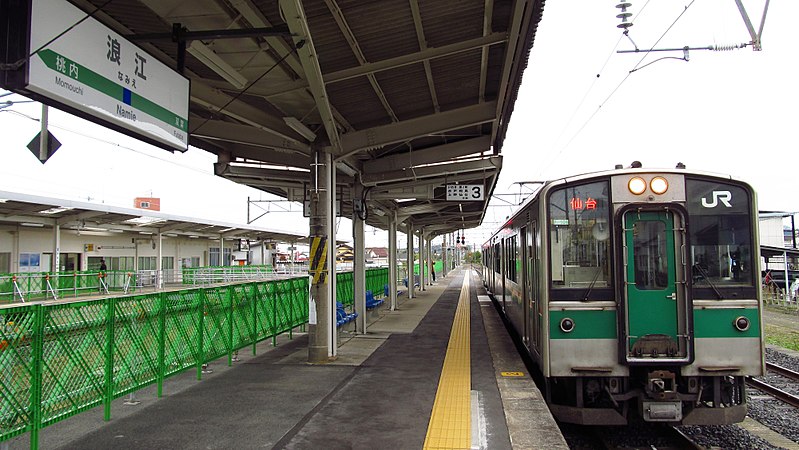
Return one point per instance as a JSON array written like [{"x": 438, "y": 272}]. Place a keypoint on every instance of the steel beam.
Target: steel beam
[
  {"x": 298, "y": 24},
  {"x": 487, "y": 164},
  {"x": 431, "y": 155},
  {"x": 386, "y": 64},
  {"x": 421, "y": 126}
]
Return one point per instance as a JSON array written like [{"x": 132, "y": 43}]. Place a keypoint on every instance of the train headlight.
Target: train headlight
[
  {"x": 636, "y": 185},
  {"x": 741, "y": 323},
  {"x": 659, "y": 185},
  {"x": 566, "y": 325}
]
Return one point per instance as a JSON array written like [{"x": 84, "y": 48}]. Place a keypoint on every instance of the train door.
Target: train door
[
  {"x": 531, "y": 289},
  {"x": 525, "y": 277},
  {"x": 654, "y": 325}
]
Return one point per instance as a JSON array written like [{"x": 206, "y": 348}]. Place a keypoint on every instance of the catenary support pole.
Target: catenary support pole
[
  {"x": 318, "y": 313},
  {"x": 359, "y": 264}
]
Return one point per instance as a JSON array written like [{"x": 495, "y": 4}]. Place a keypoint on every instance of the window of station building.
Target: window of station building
[
  {"x": 579, "y": 236},
  {"x": 192, "y": 261},
  {"x": 147, "y": 263},
  {"x": 720, "y": 234},
  {"x": 5, "y": 262},
  {"x": 119, "y": 263},
  {"x": 213, "y": 257}
]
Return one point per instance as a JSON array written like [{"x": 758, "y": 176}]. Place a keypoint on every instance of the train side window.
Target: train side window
[
  {"x": 720, "y": 233},
  {"x": 579, "y": 236}
]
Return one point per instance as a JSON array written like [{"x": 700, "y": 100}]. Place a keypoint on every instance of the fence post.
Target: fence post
[
  {"x": 109, "y": 358},
  {"x": 201, "y": 333},
  {"x": 255, "y": 299},
  {"x": 274, "y": 314},
  {"x": 36, "y": 383},
  {"x": 229, "y": 292},
  {"x": 161, "y": 342}
]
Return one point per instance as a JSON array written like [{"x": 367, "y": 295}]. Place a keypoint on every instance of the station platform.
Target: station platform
[{"x": 439, "y": 372}]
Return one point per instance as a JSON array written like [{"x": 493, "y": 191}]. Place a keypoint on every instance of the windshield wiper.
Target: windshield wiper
[
  {"x": 707, "y": 278},
  {"x": 593, "y": 282}
]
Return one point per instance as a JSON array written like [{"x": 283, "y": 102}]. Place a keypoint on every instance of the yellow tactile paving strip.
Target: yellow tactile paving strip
[{"x": 450, "y": 422}]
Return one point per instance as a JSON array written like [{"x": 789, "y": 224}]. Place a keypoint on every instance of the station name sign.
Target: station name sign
[
  {"x": 73, "y": 62},
  {"x": 464, "y": 192}
]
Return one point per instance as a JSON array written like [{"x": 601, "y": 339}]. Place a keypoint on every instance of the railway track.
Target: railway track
[
  {"x": 643, "y": 437},
  {"x": 776, "y": 392}
]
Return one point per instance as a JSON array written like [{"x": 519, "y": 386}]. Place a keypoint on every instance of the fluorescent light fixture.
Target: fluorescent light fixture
[
  {"x": 117, "y": 231},
  {"x": 194, "y": 237},
  {"x": 145, "y": 232},
  {"x": 171, "y": 235},
  {"x": 346, "y": 169},
  {"x": 55, "y": 210},
  {"x": 31, "y": 224},
  {"x": 403, "y": 200},
  {"x": 379, "y": 212},
  {"x": 300, "y": 127},
  {"x": 217, "y": 64},
  {"x": 93, "y": 229},
  {"x": 144, "y": 220}
]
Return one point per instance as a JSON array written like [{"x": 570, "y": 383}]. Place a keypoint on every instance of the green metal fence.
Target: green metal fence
[
  {"x": 224, "y": 274},
  {"x": 58, "y": 360},
  {"x": 43, "y": 285},
  {"x": 375, "y": 280}
]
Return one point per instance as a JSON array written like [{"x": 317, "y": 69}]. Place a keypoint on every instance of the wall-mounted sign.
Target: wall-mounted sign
[
  {"x": 464, "y": 192},
  {"x": 77, "y": 64}
]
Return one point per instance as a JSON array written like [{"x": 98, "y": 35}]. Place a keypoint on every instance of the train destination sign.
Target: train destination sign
[
  {"x": 464, "y": 192},
  {"x": 79, "y": 65}
]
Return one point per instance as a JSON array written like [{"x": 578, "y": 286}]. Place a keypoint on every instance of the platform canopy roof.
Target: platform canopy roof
[
  {"x": 408, "y": 95},
  {"x": 17, "y": 209}
]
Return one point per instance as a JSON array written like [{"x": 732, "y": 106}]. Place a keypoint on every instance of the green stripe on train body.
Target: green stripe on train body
[
  {"x": 588, "y": 324},
  {"x": 720, "y": 323}
]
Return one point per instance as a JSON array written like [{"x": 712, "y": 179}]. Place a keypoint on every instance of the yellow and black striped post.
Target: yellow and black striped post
[{"x": 318, "y": 267}]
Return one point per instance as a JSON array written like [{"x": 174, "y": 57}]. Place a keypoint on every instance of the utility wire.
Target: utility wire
[
  {"x": 613, "y": 92},
  {"x": 298, "y": 46}
]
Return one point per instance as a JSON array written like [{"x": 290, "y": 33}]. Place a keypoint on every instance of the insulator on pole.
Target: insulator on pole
[{"x": 624, "y": 16}]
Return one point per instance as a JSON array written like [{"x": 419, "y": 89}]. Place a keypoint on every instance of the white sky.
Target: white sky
[{"x": 729, "y": 112}]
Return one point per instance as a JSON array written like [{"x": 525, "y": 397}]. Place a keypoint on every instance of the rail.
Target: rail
[
  {"x": 776, "y": 392},
  {"x": 58, "y": 359}
]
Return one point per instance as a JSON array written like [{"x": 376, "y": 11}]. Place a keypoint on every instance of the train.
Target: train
[{"x": 636, "y": 293}]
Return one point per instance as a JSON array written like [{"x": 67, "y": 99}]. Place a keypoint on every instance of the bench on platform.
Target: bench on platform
[{"x": 342, "y": 316}]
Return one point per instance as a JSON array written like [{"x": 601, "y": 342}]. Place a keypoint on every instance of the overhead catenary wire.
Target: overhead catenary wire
[{"x": 618, "y": 86}]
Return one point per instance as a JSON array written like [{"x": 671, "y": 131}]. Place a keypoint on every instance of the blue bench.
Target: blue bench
[
  {"x": 371, "y": 301},
  {"x": 386, "y": 292},
  {"x": 342, "y": 316}
]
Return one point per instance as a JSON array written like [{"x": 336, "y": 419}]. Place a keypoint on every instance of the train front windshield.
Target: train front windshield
[
  {"x": 720, "y": 233},
  {"x": 580, "y": 236}
]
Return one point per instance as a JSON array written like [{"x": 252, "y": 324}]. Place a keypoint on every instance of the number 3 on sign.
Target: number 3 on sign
[{"x": 477, "y": 192}]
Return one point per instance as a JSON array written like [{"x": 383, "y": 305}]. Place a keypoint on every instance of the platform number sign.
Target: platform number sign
[{"x": 464, "y": 192}]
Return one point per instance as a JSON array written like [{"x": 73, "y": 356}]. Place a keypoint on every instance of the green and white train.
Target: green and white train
[{"x": 636, "y": 292}]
